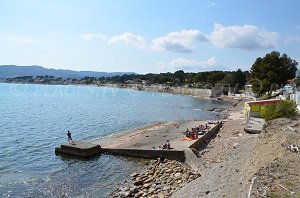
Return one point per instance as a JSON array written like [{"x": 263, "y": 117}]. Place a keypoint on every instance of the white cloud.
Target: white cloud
[
  {"x": 190, "y": 64},
  {"x": 183, "y": 41},
  {"x": 128, "y": 38},
  {"x": 92, "y": 36},
  {"x": 244, "y": 37}
]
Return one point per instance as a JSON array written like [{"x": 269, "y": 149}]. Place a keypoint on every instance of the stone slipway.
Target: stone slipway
[
  {"x": 145, "y": 142},
  {"x": 148, "y": 147}
]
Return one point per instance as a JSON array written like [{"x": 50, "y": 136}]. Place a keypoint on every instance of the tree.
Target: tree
[{"x": 271, "y": 70}]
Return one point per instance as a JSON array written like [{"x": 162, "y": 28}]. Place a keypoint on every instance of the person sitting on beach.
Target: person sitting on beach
[
  {"x": 201, "y": 127},
  {"x": 166, "y": 145},
  {"x": 193, "y": 135},
  {"x": 206, "y": 127},
  {"x": 187, "y": 131}
]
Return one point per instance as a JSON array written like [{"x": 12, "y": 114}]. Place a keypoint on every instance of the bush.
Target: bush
[
  {"x": 265, "y": 97},
  {"x": 285, "y": 108}
]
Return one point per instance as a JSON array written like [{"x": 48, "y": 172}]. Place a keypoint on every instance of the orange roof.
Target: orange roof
[{"x": 273, "y": 101}]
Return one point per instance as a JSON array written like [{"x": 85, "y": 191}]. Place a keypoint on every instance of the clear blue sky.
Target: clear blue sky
[{"x": 147, "y": 35}]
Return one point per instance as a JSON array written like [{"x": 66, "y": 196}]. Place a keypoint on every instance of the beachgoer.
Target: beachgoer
[
  {"x": 69, "y": 134},
  {"x": 201, "y": 127},
  {"x": 166, "y": 145},
  {"x": 206, "y": 127}
]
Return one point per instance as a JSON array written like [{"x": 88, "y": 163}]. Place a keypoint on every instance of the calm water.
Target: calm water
[{"x": 34, "y": 120}]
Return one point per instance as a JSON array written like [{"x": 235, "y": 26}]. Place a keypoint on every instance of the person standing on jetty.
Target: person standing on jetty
[{"x": 69, "y": 134}]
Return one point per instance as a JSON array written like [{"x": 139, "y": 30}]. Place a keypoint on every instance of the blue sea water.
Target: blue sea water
[{"x": 34, "y": 120}]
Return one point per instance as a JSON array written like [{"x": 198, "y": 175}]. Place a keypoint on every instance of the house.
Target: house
[{"x": 257, "y": 109}]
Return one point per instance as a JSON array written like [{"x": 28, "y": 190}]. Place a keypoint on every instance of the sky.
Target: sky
[{"x": 147, "y": 36}]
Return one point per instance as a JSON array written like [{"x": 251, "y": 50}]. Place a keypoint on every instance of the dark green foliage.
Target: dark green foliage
[
  {"x": 206, "y": 79},
  {"x": 271, "y": 69},
  {"x": 285, "y": 108}
]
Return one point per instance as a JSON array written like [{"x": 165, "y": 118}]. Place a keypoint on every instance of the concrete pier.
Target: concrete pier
[
  {"x": 79, "y": 149},
  {"x": 178, "y": 151},
  {"x": 145, "y": 149}
]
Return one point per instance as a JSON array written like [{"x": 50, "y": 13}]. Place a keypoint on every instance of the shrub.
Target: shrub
[
  {"x": 285, "y": 108},
  {"x": 264, "y": 97}
]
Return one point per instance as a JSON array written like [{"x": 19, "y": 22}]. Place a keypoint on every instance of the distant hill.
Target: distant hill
[{"x": 10, "y": 71}]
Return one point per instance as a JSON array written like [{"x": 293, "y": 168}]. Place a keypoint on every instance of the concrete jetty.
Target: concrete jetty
[
  {"x": 79, "y": 149},
  {"x": 145, "y": 145}
]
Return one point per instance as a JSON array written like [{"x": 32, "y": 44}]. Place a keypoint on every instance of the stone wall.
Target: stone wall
[{"x": 144, "y": 153}]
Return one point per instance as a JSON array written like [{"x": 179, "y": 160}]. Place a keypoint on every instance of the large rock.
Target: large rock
[
  {"x": 177, "y": 175},
  {"x": 151, "y": 190},
  {"x": 134, "y": 175},
  {"x": 138, "y": 182},
  {"x": 166, "y": 188},
  {"x": 134, "y": 189},
  {"x": 146, "y": 185}
]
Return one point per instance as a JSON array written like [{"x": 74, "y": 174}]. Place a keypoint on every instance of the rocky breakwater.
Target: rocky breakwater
[{"x": 157, "y": 180}]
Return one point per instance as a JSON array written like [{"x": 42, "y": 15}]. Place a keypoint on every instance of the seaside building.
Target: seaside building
[{"x": 257, "y": 109}]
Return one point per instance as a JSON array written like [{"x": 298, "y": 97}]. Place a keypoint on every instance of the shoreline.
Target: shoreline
[{"x": 149, "y": 181}]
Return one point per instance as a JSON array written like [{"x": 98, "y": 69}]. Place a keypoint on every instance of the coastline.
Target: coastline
[{"x": 154, "y": 135}]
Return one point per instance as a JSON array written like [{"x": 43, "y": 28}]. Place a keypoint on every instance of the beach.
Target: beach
[{"x": 228, "y": 163}]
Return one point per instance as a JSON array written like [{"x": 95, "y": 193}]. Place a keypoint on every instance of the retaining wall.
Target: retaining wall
[
  {"x": 150, "y": 154},
  {"x": 206, "y": 136}
]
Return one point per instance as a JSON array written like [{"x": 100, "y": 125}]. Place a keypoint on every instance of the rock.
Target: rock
[
  {"x": 134, "y": 189},
  {"x": 127, "y": 193},
  {"x": 123, "y": 189},
  {"x": 161, "y": 195},
  {"x": 235, "y": 145},
  {"x": 138, "y": 182},
  {"x": 177, "y": 175},
  {"x": 146, "y": 185},
  {"x": 139, "y": 194},
  {"x": 166, "y": 188},
  {"x": 151, "y": 190},
  {"x": 134, "y": 174},
  {"x": 148, "y": 180}
]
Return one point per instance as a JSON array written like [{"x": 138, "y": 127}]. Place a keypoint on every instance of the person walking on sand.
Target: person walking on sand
[{"x": 69, "y": 134}]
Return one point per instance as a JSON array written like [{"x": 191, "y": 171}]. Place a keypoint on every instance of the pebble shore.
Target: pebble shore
[{"x": 157, "y": 180}]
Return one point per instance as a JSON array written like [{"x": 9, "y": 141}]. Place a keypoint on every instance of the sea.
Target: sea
[{"x": 34, "y": 120}]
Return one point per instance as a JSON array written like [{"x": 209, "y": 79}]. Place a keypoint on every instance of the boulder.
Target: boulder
[{"x": 177, "y": 175}]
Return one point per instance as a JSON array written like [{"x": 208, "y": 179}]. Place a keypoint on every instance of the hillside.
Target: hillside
[{"x": 10, "y": 71}]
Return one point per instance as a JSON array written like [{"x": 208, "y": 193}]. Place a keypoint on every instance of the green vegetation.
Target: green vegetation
[
  {"x": 197, "y": 80},
  {"x": 285, "y": 108},
  {"x": 271, "y": 72},
  {"x": 268, "y": 73},
  {"x": 229, "y": 79}
]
